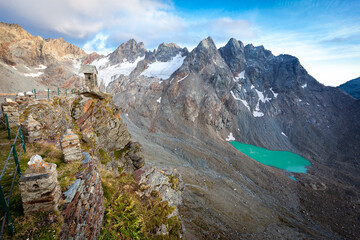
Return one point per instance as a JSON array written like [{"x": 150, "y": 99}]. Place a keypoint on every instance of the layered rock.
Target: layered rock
[
  {"x": 84, "y": 204},
  {"x": 11, "y": 109},
  {"x": 31, "y": 129},
  {"x": 39, "y": 187},
  {"x": 70, "y": 146}
]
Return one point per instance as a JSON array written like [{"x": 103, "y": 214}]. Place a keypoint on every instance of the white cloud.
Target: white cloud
[
  {"x": 98, "y": 44},
  {"x": 228, "y": 28}
]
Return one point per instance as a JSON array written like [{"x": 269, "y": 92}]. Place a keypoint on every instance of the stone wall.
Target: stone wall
[
  {"x": 39, "y": 187},
  {"x": 70, "y": 146},
  {"x": 31, "y": 129},
  {"x": 84, "y": 203},
  {"x": 12, "y": 110}
]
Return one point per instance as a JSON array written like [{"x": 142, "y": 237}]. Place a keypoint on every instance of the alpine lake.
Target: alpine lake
[{"x": 287, "y": 161}]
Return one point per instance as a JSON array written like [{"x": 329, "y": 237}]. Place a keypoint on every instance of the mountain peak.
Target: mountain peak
[
  {"x": 129, "y": 50},
  {"x": 207, "y": 43},
  {"x": 234, "y": 56}
]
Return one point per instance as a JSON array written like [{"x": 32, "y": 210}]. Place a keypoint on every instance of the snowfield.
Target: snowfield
[{"x": 163, "y": 70}]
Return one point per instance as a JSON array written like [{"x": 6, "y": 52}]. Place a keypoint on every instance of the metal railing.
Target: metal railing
[
  {"x": 44, "y": 94},
  {"x": 5, "y": 202}
]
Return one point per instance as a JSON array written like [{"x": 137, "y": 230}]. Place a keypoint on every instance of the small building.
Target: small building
[{"x": 90, "y": 73}]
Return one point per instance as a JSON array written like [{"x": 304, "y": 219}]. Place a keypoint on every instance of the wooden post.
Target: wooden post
[
  {"x": 48, "y": 94},
  {"x": 58, "y": 92},
  {"x": 35, "y": 93}
]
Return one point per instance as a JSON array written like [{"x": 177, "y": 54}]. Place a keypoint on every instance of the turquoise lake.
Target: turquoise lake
[{"x": 280, "y": 159}]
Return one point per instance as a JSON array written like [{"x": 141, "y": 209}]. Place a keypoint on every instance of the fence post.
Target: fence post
[
  {"x": 58, "y": 92},
  {"x": 22, "y": 140},
  {"x": 6, "y": 211},
  {"x": 66, "y": 92},
  {"x": 35, "y": 93},
  {"x": 48, "y": 94},
  {"x": 16, "y": 159},
  {"x": 7, "y": 125}
]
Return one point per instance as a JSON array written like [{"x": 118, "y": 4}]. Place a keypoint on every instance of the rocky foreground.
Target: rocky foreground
[{"x": 110, "y": 171}]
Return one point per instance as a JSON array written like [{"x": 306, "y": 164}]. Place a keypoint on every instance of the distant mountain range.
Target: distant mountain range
[
  {"x": 182, "y": 106},
  {"x": 352, "y": 87}
]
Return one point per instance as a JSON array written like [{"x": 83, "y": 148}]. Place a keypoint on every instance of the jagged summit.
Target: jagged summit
[
  {"x": 130, "y": 50},
  {"x": 234, "y": 56}
]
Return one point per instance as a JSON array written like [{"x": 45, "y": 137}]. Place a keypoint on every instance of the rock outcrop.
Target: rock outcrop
[
  {"x": 165, "y": 181},
  {"x": 39, "y": 187},
  {"x": 84, "y": 203}
]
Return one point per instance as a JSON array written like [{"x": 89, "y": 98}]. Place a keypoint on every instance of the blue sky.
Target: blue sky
[{"x": 324, "y": 35}]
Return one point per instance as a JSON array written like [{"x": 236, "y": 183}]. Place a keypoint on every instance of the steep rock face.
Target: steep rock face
[
  {"x": 234, "y": 56},
  {"x": 130, "y": 51},
  {"x": 352, "y": 87}
]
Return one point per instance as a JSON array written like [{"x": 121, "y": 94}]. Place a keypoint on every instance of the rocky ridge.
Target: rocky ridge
[
  {"x": 352, "y": 87},
  {"x": 29, "y": 61}
]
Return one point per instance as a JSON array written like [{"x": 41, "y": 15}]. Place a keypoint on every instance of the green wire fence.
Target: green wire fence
[{"x": 5, "y": 201}]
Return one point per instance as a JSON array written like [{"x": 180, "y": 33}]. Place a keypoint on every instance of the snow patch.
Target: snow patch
[
  {"x": 14, "y": 67},
  {"x": 20, "y": 94},
  {"x": 257, "y": 112},
  {"x": 275, "y": 94},
  {"x": 163, "y": 70},
  {"x": 183, "y": 78},
  {"x": 261, "y": 96},
  {"x": 241, "y": 75},
  {"x": 109, "y": 73},
  {"x": 243, "y": 101},
  {"x": 230, "y": 137},
  {"x": 41, "y": 67},
  {"x": 33, "y": 74},
  {"x": 252, "y": 86},
  {"x": 27, "y": 68},
  {"x": 282, "y": 133},
  {"x": 304, "y": 86},
  {"x": 159, "y": 100}
]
